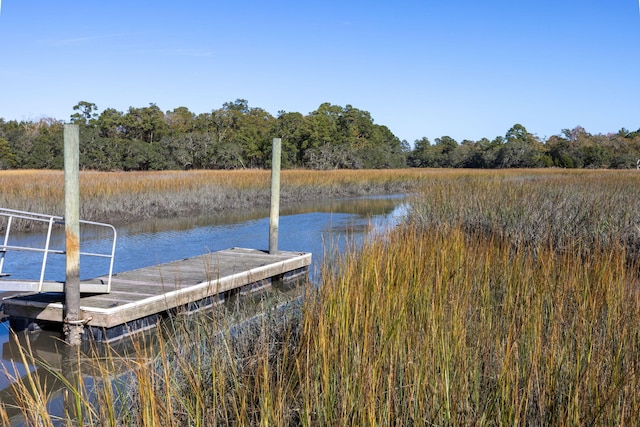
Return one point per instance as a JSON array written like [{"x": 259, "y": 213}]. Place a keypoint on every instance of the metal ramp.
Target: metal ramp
[{"x": 9, "y": 217}]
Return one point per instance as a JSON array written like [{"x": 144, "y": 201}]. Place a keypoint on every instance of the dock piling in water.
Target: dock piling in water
[
  {"x": 274, "y": 217},
  {"x": 72, "y": 321}
]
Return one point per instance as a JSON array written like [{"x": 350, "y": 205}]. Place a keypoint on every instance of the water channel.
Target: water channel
[{"x": 318, "y": 227}]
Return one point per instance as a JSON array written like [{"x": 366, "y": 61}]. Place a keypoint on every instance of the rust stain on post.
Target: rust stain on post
[
  {"x": 73, "y": 327},
  {"x": 73, "y": 253}
]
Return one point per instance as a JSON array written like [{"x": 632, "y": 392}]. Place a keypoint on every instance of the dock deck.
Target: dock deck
[{"x": 141, "y": 294}]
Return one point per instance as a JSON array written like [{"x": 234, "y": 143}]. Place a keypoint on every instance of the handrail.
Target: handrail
[{"x": 52, "y": 220}]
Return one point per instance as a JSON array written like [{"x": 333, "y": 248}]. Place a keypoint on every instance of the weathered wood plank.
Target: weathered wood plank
[{"x": 143, "y": 292}]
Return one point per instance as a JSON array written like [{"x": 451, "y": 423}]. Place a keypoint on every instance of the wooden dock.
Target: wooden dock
[{"x": 138, "y": 298}]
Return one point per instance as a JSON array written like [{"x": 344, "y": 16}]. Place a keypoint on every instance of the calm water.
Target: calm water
[{"x": 311, "y": 227}]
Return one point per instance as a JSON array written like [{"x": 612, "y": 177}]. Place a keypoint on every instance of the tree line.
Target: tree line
[
  {"x": 233, "y": 136},
  {"x": 239, "y": 136},
  {"x": 572, "y": 148}
]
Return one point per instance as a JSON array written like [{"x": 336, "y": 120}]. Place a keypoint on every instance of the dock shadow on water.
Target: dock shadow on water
[{"x": 319, "y": 227}]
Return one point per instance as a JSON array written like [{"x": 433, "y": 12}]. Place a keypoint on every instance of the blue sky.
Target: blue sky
[{"x": 467, "y": 69}]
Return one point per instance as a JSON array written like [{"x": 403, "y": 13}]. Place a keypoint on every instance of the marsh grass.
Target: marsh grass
[
  {"x": 569, "y": 210},
  {"x": 127, "y": 196},
  {"x": 445, "y": 328},
  {"x": 477, "y": 311}
]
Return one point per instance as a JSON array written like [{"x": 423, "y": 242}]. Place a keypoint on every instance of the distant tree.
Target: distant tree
[
  {"x": 239, "y": 105},
  {"x": 46, "y": 146},
  {"x": 386, "y": 150},
  {"x": 323, "y": 136},
  {"x": 614, "y": 151},
  {"x": 521, "y": 149},
  {"x": 86, "y": 113},
  {"x": 7, "y": 158},
  {"x": 561, "y": 152},
  {"x": 294, "y": 131},
  {"x": 145, "y": 124},
  {"x": 139, "y": 155},
  {"x": 180, "y": 121},
  {"x": 252, "y": 131},
  {"x": 421, "y": 156},
  {"x": 337, "y": 137},
  {"x": 445, "y": 149},
  {"x": 192, "y": 150},
  {"x": 111, "y": 123},
  {"x": 464, "y": 155}
]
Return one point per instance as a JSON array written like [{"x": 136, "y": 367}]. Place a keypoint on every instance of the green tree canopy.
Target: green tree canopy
[
  {"x": 237, "y": 135},
  {"x": 7, "y": 158}
]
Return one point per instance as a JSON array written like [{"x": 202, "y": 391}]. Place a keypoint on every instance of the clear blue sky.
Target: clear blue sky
[{"x": 467, "y": 69}]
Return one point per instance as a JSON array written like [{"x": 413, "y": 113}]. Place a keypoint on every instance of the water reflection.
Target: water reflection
[
  {"x": 306, "y": 227},
  {"x": 303, "y": 227},
  {"x": 361, "y": 207}
]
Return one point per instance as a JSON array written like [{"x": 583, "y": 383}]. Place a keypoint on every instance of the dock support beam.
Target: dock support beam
[
  {"x": 72, "y": 323},
  {"x": 274, "y": 217}
]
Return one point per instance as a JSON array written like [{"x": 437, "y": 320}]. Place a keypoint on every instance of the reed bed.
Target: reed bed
[
  {"x": 457, "y": 317},
  {"x": 444, "y": 328},
  {"x": 569, "y": 210},
  {"x": 117, "y": 197}
]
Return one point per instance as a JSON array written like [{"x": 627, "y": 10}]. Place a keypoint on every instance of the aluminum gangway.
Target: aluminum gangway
[{"x": 9, "y": 218}]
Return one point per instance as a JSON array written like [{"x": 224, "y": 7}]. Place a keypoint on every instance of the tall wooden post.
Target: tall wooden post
[
  {"x": 73, "y": 327},
  {"x": 274, "y": 217}
]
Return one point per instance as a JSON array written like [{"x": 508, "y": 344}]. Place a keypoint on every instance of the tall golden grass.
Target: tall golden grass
[
  {"x": 443, "y": 327},
  {"x": 569, "y": 210},
  {"x": 457, "y": 317},
  {"x": 124, "y": 196}
]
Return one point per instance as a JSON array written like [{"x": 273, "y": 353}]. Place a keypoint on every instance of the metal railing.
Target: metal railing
[{"x": 49, "y": 220}]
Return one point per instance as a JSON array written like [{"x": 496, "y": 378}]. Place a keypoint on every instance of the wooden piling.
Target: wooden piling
[
  {"x": 274, "y": 217},
  {"x": 72, "y": 321}
]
